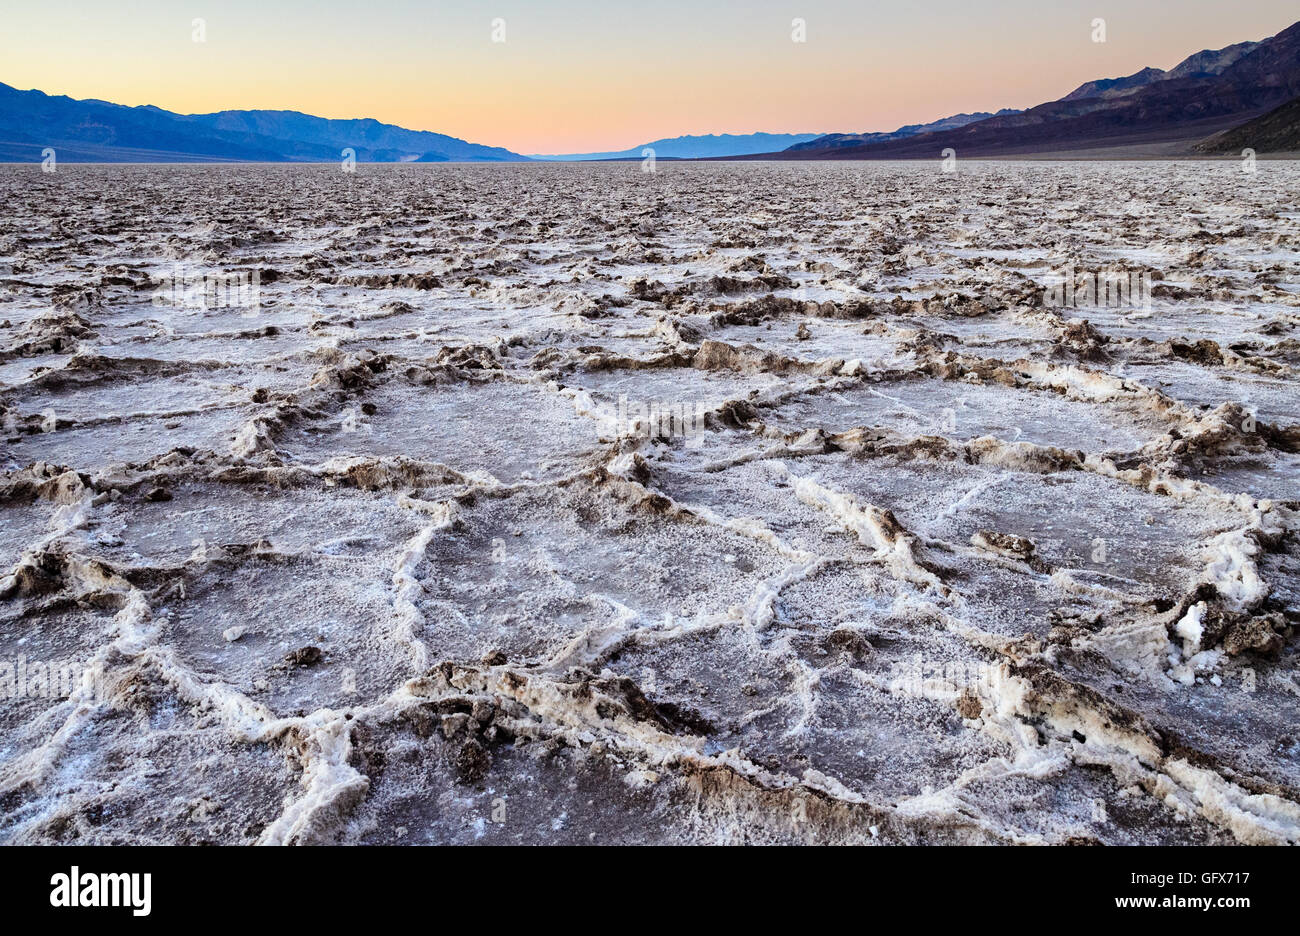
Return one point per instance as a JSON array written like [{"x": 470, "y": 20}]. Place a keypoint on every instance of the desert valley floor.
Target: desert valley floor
[{"x": 726, "y": 503}]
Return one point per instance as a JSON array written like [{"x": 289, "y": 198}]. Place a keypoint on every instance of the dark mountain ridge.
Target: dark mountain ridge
[
  {"x": 1278, "y": 131},
  {"x": 837, "y": 140},
  {"x": 1207, "y": 93}
]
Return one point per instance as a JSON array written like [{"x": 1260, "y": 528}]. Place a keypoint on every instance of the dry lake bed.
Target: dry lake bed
[{"x": 758, "y": 502}]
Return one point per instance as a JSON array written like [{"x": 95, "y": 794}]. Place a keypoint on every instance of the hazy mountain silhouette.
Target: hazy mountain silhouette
[
  {"x": 695, "y": 147},
  {"x": 97, "y": 131}
]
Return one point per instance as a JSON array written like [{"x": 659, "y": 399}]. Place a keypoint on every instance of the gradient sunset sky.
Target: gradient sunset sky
[{"x": 581, "y": 75}]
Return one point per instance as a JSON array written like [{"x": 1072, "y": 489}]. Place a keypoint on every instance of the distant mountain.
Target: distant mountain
[
  {"x": 833, "y": 140},
  {"x": 1278, "y": 131},
  {"x": 97, "y": 131},
  {"x": 372, "y": 140},
  {"x": 1203, "y": 63},
  {"x": 1114, "y": 87},
  {"x": 699, "y": 147},
  {"x": 1209, "y": 92},
  {"x": 1210, "y": 61}
]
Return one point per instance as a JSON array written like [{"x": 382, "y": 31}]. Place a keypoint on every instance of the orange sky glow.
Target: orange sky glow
[{"x": 577, "y": 76}]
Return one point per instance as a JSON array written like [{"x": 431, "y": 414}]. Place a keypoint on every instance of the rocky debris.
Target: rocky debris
[
  {"x": 1011, "y": 546},
  {"x": 304, "y": 656}
]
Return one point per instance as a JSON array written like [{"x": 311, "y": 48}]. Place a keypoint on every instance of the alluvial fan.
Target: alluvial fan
[{"x": 818, "y": 502}]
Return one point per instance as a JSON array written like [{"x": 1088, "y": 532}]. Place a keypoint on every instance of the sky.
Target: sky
[{"x": 582, "y": 75}]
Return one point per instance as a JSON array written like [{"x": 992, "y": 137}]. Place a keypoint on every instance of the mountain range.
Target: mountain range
[
  {"x": 837, "y": 140},
  {"x": 1206, "y": 62},
  {"x": 1186, "y": 110},
  {"x": 696, "y": 147},
  {"x": 97, "y": 131}
]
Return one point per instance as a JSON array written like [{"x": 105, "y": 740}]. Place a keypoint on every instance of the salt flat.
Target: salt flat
[{"x": 576, "y": 503}]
